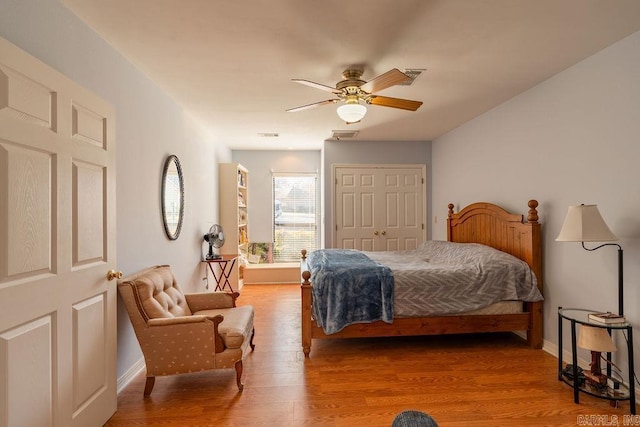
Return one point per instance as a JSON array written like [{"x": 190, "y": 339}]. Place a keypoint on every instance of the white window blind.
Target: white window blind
[{"x": 295, "y": 223}]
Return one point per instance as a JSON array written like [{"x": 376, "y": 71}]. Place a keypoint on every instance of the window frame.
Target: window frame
[{"x": 294, "y": 255}]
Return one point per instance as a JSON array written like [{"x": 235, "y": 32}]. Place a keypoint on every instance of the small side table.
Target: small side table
[
  {"x": 226, "y": 263},
  {"x": 581, "y": 316}
]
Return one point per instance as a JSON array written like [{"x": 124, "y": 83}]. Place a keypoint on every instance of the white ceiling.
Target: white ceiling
[{"x": 230, "y": 63}]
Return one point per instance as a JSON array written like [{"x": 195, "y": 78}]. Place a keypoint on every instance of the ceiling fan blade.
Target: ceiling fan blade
[
  {"x": 383, "y": 81},
  {"x": 317, "y": 85},
  {"x": 315, "y": 104},
  {"x": 404, "y": 104}
]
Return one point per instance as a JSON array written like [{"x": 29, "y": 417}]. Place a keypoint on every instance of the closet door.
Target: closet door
[{"x": 379, "y": 207}]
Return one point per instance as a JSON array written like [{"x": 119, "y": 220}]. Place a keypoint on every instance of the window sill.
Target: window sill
[{"x": 276, "y": 273}]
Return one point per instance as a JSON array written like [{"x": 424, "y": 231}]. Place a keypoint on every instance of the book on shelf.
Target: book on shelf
[{"x": 607, "y": 317}]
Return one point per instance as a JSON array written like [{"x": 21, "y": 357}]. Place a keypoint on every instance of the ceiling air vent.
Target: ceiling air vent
[
  {"x": 340, "y": 134},
  {"x": 268, "y": 135},
  {"x": 413, "y": 74}
]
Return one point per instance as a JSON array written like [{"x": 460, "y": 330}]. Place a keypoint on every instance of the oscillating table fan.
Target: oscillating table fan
[{"x": 215, "y": 238}]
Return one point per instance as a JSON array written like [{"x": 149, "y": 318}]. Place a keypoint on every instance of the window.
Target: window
[{"x": 295, "y": 224}]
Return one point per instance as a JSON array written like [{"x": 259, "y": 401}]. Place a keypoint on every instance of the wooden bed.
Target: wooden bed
[{"x": 484, "y": 223}]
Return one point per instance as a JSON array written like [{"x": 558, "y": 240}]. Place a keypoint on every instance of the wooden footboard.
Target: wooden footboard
[{"x": 477, "y": 223}]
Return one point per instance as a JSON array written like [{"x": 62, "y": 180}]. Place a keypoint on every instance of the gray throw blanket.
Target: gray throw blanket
[{"x": 349, "y": 287}]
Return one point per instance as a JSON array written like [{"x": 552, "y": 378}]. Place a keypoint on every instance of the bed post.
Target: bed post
[
  {"x": 449, "y": 216},
  {"x": 534, "y": 337},
  {"x": 306, "y": 306}
]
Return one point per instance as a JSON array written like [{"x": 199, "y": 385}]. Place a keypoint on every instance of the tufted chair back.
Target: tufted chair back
[{"x": 158, "y": 294}]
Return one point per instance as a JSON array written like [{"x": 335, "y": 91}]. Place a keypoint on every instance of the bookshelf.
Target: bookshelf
[{"x": 233, "y": 207}]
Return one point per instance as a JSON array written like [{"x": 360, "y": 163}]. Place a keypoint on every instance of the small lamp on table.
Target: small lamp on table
[{"x": 596, "y": 340}]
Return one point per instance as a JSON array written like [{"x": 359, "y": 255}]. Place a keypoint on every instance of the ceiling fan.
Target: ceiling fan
[{"x": 352, "y": 90}]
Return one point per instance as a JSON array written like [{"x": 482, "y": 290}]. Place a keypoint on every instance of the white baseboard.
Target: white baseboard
[{"x": 128, "y": 376}]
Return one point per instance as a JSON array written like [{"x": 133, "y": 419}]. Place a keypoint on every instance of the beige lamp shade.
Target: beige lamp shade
[
  {"x": 595, "y": 339},
  {"x": 584, "y": 223}
]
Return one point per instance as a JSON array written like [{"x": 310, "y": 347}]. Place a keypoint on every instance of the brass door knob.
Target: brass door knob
[
  {"x": 112, "y": 274},
  {"x": 375, "y": 233},
  {"x": 384, "y": 233}
]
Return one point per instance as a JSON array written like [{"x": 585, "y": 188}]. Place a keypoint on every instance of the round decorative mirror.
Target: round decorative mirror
[{"x": 172, "y": 197}]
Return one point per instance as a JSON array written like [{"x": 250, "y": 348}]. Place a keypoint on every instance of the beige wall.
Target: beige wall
[{"x": 573, "y": 139}]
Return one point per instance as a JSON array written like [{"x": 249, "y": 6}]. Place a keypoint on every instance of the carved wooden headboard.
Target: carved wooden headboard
[{"x": 493, "y": 226}]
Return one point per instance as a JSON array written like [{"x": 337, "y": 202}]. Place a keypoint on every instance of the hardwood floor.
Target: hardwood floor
[{"x": 478, "y": 380}]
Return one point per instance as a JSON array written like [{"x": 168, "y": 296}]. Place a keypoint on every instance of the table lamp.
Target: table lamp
[
  {"x": 584, "y": 223},
  {"x": 596, "y": 340}
]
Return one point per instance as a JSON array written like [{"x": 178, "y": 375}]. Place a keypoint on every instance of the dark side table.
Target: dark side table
[
  {"x": 226, "y": 263},
  {"x": 624, "y": 392}
]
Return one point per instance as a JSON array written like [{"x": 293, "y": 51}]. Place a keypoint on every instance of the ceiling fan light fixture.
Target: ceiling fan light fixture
[{"x": 352, "y": 113}]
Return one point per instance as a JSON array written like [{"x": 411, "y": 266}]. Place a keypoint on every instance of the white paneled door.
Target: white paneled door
[
  {"x": 379, "y": 207},
  {"x": 57, "y": 243}
]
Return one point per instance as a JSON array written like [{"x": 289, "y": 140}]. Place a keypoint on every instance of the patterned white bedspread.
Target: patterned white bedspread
[{"x": 442, "y": 278}]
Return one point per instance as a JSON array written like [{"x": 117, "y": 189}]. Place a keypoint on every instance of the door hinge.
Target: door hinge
[
  {"x": 422, "y": 180},
  {"x": 423, "y": 226}
]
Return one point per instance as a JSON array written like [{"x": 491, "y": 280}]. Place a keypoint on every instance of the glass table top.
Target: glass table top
[{"x": 581, "y": 315}]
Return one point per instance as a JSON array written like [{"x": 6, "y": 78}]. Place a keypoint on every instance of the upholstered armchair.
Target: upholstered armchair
[{"x": 180, "y": 333}]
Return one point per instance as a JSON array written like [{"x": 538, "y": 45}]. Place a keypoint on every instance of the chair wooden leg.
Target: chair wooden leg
[
  {"x": 151, "y": 381},
  {"x": 239, "y": 374},
  {"x": 253, "y": 333}
]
